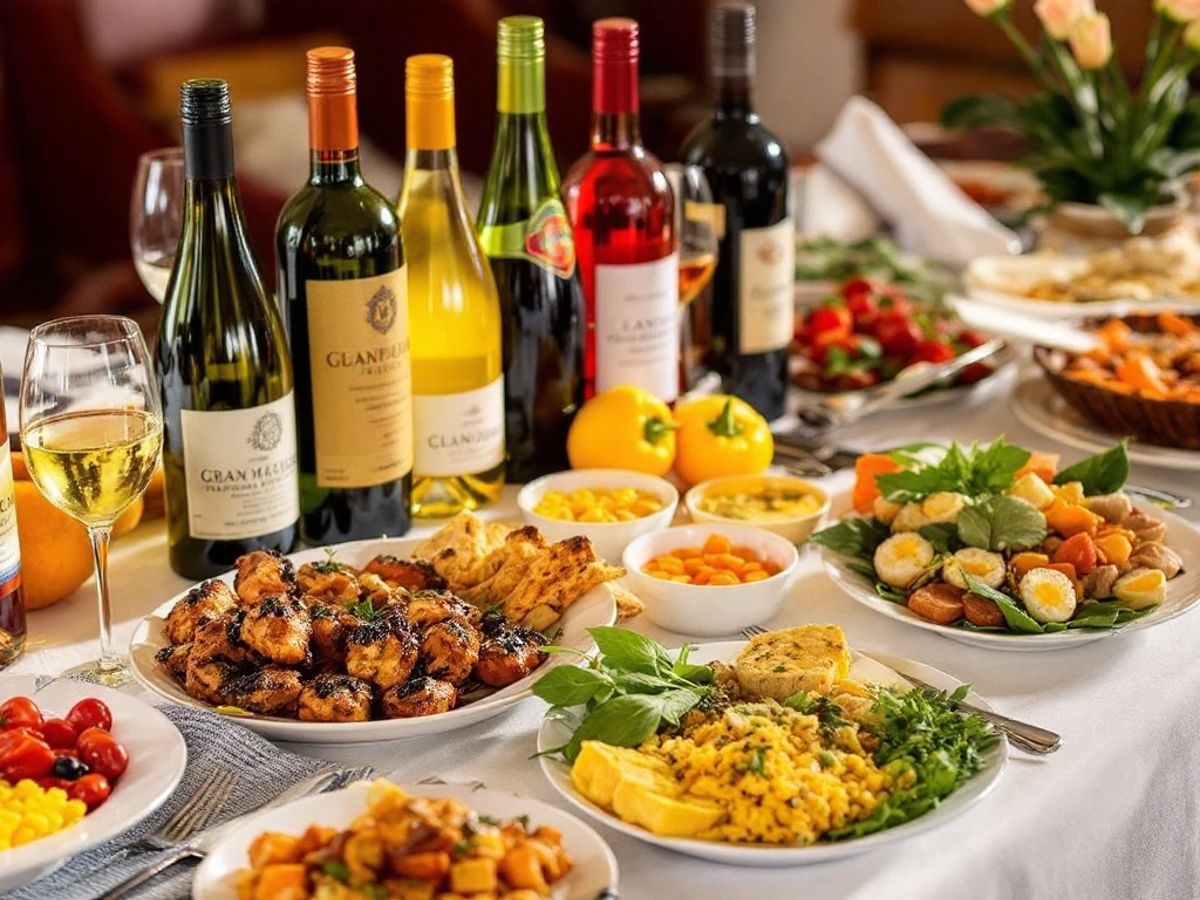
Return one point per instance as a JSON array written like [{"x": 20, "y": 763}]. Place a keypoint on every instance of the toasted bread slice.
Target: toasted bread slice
[
  {"x": 503, "y": 568},
  {"x": 806, "y": 658},
  {"x": 562, "y": 574}
]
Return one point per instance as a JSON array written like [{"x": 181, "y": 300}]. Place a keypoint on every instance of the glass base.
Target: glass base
[{"x": 92, "y": 673}]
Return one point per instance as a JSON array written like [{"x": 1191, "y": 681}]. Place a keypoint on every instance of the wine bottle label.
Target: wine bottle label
[
  {"x": 637, "y": 326},
  {"x": 543, "y": 239},
  {"x": 10, "y": 544},
  {"x": 459, "y": 434},
  {"x": 767, "y": 275},
  {"x": 361, "y": 379},
  {"x": 239, "y": 466}
]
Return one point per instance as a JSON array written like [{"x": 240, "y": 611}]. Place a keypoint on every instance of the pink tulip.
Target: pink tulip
[
  {"x": 1091, "y": 41},
  {"x": 988, "y": 8},
  {"x": 1057, "y": 16},
  {"x": 1181, "y": 11}
]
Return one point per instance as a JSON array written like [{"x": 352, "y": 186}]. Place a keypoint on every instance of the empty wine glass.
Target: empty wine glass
[
  {"x": 156, "y": 217},
  {"x": 698, "y": 225},
  {"x": 91, "y": 429}
]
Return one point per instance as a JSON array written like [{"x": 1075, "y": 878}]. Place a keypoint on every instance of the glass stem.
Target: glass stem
[{"x": 109, "y": 661}]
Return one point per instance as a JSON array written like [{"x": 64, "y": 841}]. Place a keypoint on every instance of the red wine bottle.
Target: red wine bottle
[
  {"x": 621, "y": 209},
  {"x": 747, "y": 167}
]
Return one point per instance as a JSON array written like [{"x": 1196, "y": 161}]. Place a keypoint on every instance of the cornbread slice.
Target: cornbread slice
[
  {"x": 806, "y": 658},
  {"x": 599, "y": 768},
  {"x": 663, "y": 815}
]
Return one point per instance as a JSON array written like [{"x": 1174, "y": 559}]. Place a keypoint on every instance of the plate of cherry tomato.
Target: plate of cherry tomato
[
  {"x": 866, "y": 332},
  {"x": 111, "y": 754}
]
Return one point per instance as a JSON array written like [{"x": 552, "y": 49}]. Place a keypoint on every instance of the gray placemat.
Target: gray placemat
[{"x": 212, "y": 741}]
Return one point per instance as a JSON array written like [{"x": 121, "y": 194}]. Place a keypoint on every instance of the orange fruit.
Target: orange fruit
[{"x": 56, "y": 555}]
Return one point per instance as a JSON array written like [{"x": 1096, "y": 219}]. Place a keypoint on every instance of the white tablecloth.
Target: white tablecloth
[{"x": 1114, "y": 814}]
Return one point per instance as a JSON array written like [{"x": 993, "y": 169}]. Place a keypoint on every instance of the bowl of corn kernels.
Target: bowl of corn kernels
[{"x": 612, "y": 507}]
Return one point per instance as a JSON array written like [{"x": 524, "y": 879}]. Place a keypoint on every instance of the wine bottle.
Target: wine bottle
[
  {"x": 454, "y": 311},
  {"x": 344, "y": 292},
  {"x": 524, "y": 231},
  {"x": 12, "y": 601},
  {"x": 621, "y": 209},
  {"x": 229, "y": 440},
  {"x": 747, "y": 167}
]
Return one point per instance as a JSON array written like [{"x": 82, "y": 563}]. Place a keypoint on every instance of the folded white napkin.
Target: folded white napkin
[
  {"x": 928, "y": 212},
  {"x": 826, "y": 206}
]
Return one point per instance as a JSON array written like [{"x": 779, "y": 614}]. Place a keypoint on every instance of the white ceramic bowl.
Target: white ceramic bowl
[
  {"x": 796, "y": 529},
  {"x": 710, "y": 611},
  {"x": 609, "y": 538}
]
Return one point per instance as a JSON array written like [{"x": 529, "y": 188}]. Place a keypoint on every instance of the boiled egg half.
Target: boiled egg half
[
  {"x": 1048, "y": 595},
  {"x": 988, "y": 567},
  {"x": 902, "y": 559}
]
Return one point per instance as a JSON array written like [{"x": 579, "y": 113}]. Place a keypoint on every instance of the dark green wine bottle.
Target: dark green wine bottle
[
  {"x": 229, "y": 441},
  {"x": 525, "y": 233},
  {"x": 343, "y": 289}
]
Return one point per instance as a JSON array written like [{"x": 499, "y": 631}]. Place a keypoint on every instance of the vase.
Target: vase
[{"x": 1075, "y": 228}]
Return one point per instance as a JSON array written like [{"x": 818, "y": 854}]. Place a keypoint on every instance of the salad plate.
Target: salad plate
[
  {"x": 157, "y": 758},
  {"x": 867, "y": 666}
]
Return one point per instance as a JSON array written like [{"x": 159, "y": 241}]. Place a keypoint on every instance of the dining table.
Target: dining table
[{"x": 1114, "y": 813}]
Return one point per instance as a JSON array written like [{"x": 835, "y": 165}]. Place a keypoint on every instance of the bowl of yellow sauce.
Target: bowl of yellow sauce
[{"x": 790, "y": 507}]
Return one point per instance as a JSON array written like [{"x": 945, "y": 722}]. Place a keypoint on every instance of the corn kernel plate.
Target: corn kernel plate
[
  {"x": 1183, "y": 592},
  {"x": 594, "y": 872},
  {"x": 594, "y": 608},
  {"x": 157, "y": 757},
  {"x": 868, "y": 666}
]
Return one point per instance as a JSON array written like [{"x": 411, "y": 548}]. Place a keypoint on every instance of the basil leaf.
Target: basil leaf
[
  {"x": 640, "y": 683},
  {"x": 1104, "y": 473},
  {"x": 1017, "y": 618},
  {"x": 995, "y": 467},
  {"x": 672, "y": 705},
  {"x": 943, "y": 535},
  {"x": 855, "y": 536},
  {"x": 975, "y": 471},
  {"x": 863, "y": 568},
  {"x": 694, "y": 672},
  {"x": 625, "y": 649},
  {"x": 569, "y": 685},
  {"x": 1001, "y": 523}
]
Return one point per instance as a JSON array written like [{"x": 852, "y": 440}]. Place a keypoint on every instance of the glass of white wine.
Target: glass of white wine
[
  {"x": 91, "y": 430},
  {"x": 156, "y": 217},
  {"x": 699, "y": 223}
]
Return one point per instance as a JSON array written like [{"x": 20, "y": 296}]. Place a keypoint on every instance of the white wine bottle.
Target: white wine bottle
[
  {"x": 454, "y": 311},
  {"x": 229, "y": 442}
]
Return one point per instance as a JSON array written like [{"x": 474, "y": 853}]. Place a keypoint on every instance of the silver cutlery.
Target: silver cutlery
[
  {"x": 1027, "y": 737},
  {"x": 1159, "y": 497},
  {"x": 193, "y": 815}
]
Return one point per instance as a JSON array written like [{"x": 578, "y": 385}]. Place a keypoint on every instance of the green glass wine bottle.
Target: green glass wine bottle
[
  {"x": 344, "y": 292},
  {"x": 525, "y": 233},
  {"x": 229, "y": 438}
]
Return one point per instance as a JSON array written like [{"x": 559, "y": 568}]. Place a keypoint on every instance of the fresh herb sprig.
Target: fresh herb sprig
[
  {"x": 978, "y": 470},
  {"x": 626, "y": 691}
]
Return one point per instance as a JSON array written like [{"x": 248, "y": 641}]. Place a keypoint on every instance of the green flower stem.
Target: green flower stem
[
  {"x": 1031, "y": 58},
  {"x": 1081, "y": 93}
]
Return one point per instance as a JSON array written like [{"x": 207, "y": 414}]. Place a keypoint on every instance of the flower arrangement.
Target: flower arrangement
[{"x": 1093, "y": 137}]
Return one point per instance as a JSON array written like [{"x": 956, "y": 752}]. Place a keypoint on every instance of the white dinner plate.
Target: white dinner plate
[
  {"x": 1040, "y": 407},
  {"x": 593, "y": 609},
  {"x": 593, "y": 873},
  {"x": 1183, "y": 592},
  {"x": 157, "y": 757},
  {"x": 868, "y": 665}
]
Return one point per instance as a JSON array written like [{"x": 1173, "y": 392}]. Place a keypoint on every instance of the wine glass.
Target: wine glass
[
  {"x": 156, "y": 217},
  {"x": 698, "y": 225},
  {"x": 91, "y": 429}
]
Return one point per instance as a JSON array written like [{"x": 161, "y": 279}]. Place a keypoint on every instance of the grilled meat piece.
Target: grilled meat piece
[
  {"x": 509, "y": 653},
  {"x": 175, "y": 660},
  {"x": 427, "y": 608},
  {"x": 207, "y": 600},
  {"x": 206, "y": 679},
  {"x": 327, "y": 582},
  {"x": 377, "y": 591},
  {"x": 410, "y": 574},
  {"x": 421, "y": 696},
  {"x": 221, "y": 639},
  {"x": 336, "y": 698},
  {"x": 270, "y": 690},
  {"x": 449, "y": 651},
  {"x": 262, "y": 573},
  {"x": 279, "y": 628},
  {"x": 383, "y": 651},
  {"x": 330, "y": 627}
]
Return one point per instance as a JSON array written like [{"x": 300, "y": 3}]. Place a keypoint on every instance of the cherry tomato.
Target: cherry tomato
[
  {"x": 58, "y": 733},
  {"x": 102, "y": 753},
  {"x": 933, "y": 351},
  {"x": 865, "y": 309},
  {"x": 20, "y": 712},
  {"x": 973, "y": 373},
  {"x": 51, "y": 782},
  {"x": 824, "y": 319},
  {"x": 858, "y": 286},
  {"x": 91, "y": 789},
  {"x": 822, "y": 343},
  {"x": 90, "y": 713},
  {"x": 892, "y": 300},
  {"x": 897, "y": 334},
  {"x": 971, "y": 338},
  {"x": 28, "y": 758}
]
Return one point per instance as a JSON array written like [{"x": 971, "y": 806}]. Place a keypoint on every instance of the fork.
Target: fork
[
  {"x": 204, "y": 802},
  {"x": 1024, "y": 735}
]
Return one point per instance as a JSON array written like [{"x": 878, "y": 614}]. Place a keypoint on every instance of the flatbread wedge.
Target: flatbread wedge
[{"x": 559, "y": 577}]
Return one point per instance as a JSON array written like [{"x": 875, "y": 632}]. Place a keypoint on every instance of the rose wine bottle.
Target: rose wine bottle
[
  {"x": 224, "y": 372},
  {"x": 747, "y": 167},
  {"x": 344, "y": 292},
  {"x": 454, "y": 311},
  {"x": 524, "y": 231},
  {"x": 621, "y": 209}
]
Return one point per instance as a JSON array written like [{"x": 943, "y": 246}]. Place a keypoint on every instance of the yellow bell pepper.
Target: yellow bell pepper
[
  {"x": 721, "y": 435},
  {"x": 624, "y": 427}
]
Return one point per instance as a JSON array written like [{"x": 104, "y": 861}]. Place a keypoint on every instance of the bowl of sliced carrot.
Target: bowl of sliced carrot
[
  {"x": 1143, "y": 378},
  {"x": 711, "y": 580}
]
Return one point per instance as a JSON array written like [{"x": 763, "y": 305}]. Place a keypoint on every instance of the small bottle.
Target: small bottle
[
  {"x": 622, "y": 211},
  {"x": 12, "y": 602},
  {"x": 224, "y": 373},
  {"x": 344, "y": 292},
  {"x": 524, "y": 231},
  {"x": 454, "y": 311},
  {"x": 747, "y": 167}
]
